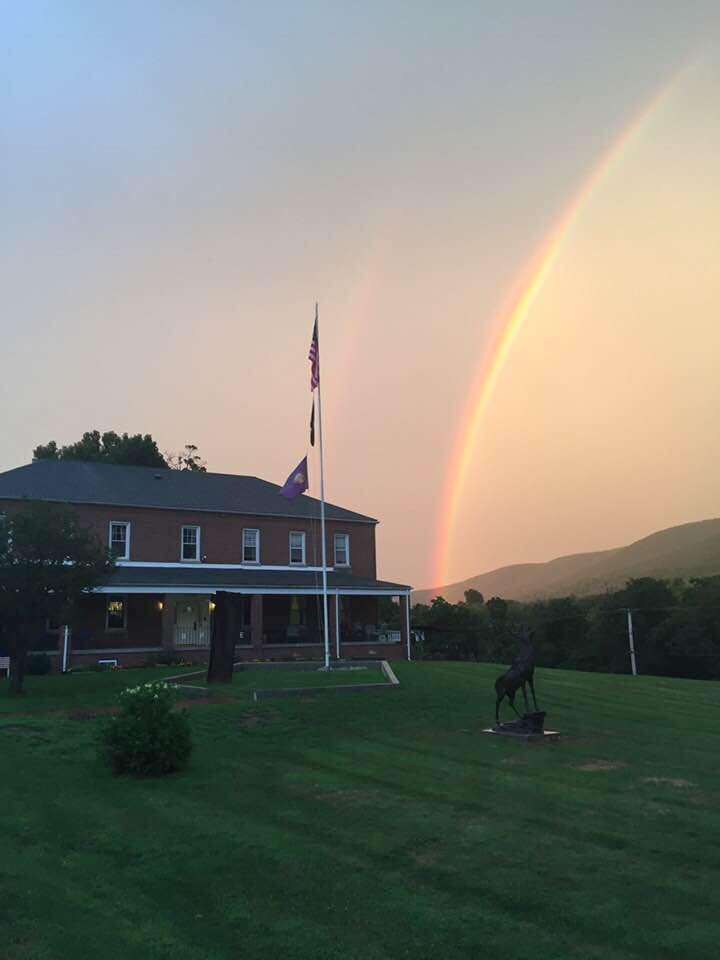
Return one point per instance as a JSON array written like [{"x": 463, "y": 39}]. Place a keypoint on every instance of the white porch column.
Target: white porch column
[
  {"x": 407, "y": 624},
  {"x": 337, "y": 625}
]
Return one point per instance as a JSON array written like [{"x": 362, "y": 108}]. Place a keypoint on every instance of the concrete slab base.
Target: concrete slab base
[{"x": 547, "y": 736}]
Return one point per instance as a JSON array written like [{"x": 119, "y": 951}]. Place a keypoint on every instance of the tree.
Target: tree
[
  {"x": 452, "y": 631},
  {"x": 389, "y": 613},
  {"x": 138, "y": 450},
  {"x": 473, "y": 598},
  {"x": 47, "y": 561},
  {"x": 187, "y": 459},
  {"x": 498, "y": 609}
]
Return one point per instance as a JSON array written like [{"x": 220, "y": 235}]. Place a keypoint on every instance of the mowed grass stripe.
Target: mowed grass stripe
[{"x": 377, "y": 827}]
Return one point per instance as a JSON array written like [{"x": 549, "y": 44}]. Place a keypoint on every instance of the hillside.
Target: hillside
[{"x": 689, "y": 550}]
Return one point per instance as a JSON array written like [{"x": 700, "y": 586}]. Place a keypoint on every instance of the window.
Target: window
[
  {"x": 120, "y": 540},
  {"x": 297, "y": 547},
  {"x": 190, "y": 547},
  {"x": 116, "y": 613},
  {"x": 251, "y": 546},
  {"x": 342, "y": 550}
]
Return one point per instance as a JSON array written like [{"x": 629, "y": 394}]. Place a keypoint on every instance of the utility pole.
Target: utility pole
[{"x": 631, "y": 642}]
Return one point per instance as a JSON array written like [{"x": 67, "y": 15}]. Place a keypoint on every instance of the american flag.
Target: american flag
[{"x": 314, "y": 356}]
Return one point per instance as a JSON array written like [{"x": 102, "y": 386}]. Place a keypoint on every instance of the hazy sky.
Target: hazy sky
[{"x": 182, "y": 180}]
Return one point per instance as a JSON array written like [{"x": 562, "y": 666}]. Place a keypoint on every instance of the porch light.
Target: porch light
[
  {"x": 211, "y": 605},
  {"x": 160, "y": 605}
]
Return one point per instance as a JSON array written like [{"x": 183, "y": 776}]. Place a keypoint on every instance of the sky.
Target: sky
[{"x": 181, "y": 182}]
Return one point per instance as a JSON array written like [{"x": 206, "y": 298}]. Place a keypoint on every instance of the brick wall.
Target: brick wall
[{"x": 155, "y": 535}]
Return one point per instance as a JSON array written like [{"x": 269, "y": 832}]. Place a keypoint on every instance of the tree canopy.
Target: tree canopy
[
  {"x": 47, "y": 560},
  {"x": 187, "y": 459},
  {"x": 136, "y": 450},
  {"x": 676, "y": 627}
]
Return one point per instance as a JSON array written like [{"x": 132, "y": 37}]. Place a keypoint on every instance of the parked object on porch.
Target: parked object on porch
[{"x": 222, "y": 643}]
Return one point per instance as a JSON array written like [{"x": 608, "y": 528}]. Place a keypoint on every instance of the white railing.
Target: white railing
[{"x": 192, "y": 636}]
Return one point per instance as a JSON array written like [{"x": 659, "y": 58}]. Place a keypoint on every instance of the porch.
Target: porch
[{"x": 283, "y": 618}]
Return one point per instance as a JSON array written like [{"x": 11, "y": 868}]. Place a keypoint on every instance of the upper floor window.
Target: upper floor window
[
  {"x": 342, "y": 550},
  {"x": 251, "y": 546},
  {"x": 116, "y": 614},
  {"x": 120, "y": 540},
  {"x": 297, "y": 547},
  {"x": 190, "y": 544}
]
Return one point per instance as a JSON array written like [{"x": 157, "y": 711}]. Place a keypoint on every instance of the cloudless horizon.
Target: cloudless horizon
[{"x": 183, "y": 182}]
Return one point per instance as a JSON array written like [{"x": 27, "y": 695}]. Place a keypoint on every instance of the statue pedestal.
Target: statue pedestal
[{"x": 530, "y": 727}]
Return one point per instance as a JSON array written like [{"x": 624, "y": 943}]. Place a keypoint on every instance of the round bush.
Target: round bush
[{"x": 147, "y": 737}]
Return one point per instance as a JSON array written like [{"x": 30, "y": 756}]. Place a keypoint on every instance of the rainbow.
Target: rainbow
[{"x": 508, "y": 324}]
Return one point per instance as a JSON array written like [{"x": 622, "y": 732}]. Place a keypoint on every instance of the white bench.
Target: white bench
[{"x": 5, "y": 664}]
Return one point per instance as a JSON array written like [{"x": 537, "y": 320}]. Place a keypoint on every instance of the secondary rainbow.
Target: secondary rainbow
[{"x": 507, "y": 325}]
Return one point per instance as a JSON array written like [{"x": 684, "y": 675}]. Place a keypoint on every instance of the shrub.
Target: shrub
[
  {"x": 38, "y": 664},
  {"x": 147, "y": 737},
  {"x": 166, "y": 660}
]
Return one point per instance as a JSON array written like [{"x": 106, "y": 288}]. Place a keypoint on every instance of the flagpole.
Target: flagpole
[{"x": 322, "y": 509}]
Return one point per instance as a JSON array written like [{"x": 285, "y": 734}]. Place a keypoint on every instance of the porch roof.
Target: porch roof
[{"x": 199, "y": 579}]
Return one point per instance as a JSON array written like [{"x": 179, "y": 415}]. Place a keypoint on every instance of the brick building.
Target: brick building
[{"x": 180, "y": 536}]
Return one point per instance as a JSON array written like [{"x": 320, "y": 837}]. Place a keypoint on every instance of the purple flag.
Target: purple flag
[{"x": 297, "y": 482}]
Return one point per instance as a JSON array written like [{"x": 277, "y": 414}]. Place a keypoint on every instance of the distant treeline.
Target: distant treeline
[{"x": 676, "y": 627}]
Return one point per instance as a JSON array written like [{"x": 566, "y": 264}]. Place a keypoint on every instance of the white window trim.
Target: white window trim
[
  {"x": 120, "y": 523},
  {"x": 297, "y": 563},
  {"x": 255, "y": 530},
  {"x": 108, "y": 628},
  {"x": 346, "y": 537},
  {"x": 189, "y": 526}
]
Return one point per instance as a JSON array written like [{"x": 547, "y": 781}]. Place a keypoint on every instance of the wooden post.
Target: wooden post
[{"x": 222, "y": 643}]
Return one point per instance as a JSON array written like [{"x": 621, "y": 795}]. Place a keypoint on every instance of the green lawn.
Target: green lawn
[
  {"x": 86, "y": 688},
  {"x": 245, "y": 681},
  {"x": 375, "y": 826}
]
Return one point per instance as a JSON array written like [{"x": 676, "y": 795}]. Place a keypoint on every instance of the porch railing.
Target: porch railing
[
  {"x": 198, "y": 636},
  {"x": 369, "y": 633}
]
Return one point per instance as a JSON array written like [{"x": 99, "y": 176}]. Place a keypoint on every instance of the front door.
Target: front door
[{"x": 192, "y": 623}]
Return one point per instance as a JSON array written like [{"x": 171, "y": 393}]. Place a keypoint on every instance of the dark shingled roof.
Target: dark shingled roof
[
  {"x": 213, "y": 578},
  {"x": 74, "y": 481}
]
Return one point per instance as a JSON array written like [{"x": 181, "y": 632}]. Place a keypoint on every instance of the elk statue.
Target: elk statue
[{"x": 517, "y": 677}]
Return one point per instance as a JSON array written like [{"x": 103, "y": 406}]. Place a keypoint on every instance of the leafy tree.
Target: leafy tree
[
  {"x": 687, "y": 642},
  {"x": 187, "y": 459},
  {"x": 389, "y": 613},
  {"x": 138, "y": 450},
  {"x": 560, "y": 628},
  {"x": 473, "y": 598},
  {"x": 47, "y": 561},
  {"x": 452, "y": 631},
  {"x": 498, "y": 609}
]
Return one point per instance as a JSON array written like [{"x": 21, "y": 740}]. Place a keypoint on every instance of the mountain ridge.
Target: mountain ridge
[{"x": 686, "y": 550}]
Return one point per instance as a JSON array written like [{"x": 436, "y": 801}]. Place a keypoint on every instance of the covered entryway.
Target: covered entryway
[{"x": 192, "y": 621}]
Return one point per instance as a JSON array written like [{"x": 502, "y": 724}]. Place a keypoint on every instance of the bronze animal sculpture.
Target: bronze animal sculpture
[{"x": 519, "y": 676}]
